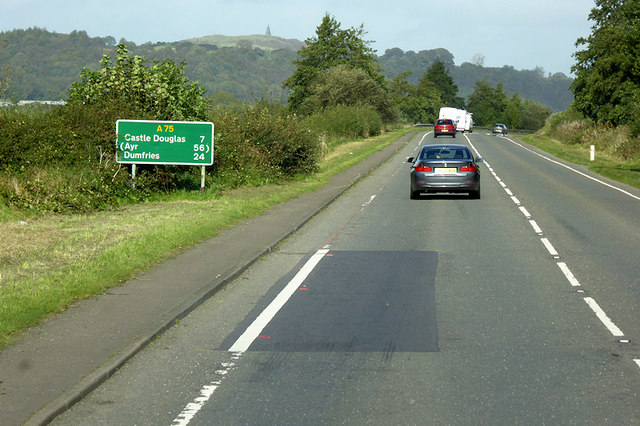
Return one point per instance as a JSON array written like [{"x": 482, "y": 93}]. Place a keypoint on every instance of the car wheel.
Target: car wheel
[
  {"x": 475, "y": 194},
  {"x": 454, "y": 135},
  {"x": 435, "y": 136},
  {"x": 414, "y": 195}
]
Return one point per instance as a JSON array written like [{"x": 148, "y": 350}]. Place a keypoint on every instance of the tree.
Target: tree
[
  {"x": 415, "y": 104},
  {"x": 442, "y": 81},
  {"x": 483, "y": 104},
  {"x": 490, "y": 106},
  {"x": 332, "y": 46},
  {"x": 429, "y": 101},
  {"x": 160, "y": 91},
  {"x": 343, "y": 85},
  {"x": 512, "y": 115},
  {"x": 607, "y": 83},
  {"x": 5, "y": 81},
  {"x": 534, "y": 115}
]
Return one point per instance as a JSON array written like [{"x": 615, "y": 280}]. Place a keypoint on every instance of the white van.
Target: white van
[
  {"x": 449, "y": 113},
  {"x": 462, "y": 120},
  {"x": 468, "y": 122}
]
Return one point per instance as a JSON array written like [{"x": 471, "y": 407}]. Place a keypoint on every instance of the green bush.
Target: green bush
[
  {"x": 160, "y": 90},
  {"x": 345, "y": 122},
  {"x": 261, "y": 143},
  {"x": 571, "y": 128},
  {"x": 67, "y": 190}
]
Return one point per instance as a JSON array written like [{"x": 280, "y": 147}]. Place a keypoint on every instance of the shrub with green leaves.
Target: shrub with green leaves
[
  {"x": 158, "y": 91},
  {"x": 347, "y": 122},
  {"x": 262, "y": 143}
]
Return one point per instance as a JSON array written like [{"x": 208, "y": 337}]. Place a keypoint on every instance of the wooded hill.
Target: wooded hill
[{"x": 37, "y": 64}]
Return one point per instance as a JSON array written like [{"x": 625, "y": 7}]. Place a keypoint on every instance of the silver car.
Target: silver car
[
  {"x": 500, "y": 129},
  {"x": 445, "y": 168}
]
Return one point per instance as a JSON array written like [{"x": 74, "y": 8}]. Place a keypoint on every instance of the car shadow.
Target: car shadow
[{"x": 443, "y": 196}]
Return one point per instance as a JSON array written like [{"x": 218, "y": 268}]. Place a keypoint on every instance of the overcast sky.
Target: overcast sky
[{"x": 524, "y": 34}]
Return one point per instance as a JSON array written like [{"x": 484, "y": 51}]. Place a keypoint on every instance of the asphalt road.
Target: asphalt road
[{"x": 520, "y": 307}]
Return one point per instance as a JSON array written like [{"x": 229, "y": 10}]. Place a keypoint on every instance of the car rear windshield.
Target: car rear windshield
[
  {"x": 446, "y": 154},
  {"x": 445, "y": 122}
]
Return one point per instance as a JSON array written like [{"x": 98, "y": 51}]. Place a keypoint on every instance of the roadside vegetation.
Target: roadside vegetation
[
  {"x": 42, "y": 65},
  {"x": 568, "y": 135},
  {"x": 73, "y": 225},
  {"x": 50, "y": 260},
  {"x": 606, "y": 109}
]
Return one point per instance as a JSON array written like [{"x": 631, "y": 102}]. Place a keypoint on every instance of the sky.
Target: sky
[{"x": 524, "y": 34}]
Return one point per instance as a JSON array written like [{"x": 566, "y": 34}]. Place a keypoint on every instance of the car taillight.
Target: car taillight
[
  {"x": 422, "y": 168},
  {"x": 468, "y": 168}
]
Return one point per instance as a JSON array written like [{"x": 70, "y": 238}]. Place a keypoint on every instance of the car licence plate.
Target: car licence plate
[{"x": 446, "y": 170}]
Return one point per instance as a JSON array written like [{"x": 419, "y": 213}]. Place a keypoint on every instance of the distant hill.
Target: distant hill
[
  {"x": 264, "y": 42},
  {"x": 42, "y": 65}
]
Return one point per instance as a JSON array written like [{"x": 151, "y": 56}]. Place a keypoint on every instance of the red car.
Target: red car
[{"x": 444, "y": 127}]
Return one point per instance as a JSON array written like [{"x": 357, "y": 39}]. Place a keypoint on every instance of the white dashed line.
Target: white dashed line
[
  {"x": 567, "y": 273},
  {"x": 535, "y": 227},
  {"x": 525, "y": 212},
  {"x": 552, "y": 251},
  {"x": 603, "y": 317}
]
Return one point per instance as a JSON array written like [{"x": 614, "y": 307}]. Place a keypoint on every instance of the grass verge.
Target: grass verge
[
  {"x": 49, "y": 262},
  {"x": 627, "y": 172}
]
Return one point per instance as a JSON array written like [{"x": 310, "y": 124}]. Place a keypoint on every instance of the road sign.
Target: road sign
[{"x": 164, "y": 142}]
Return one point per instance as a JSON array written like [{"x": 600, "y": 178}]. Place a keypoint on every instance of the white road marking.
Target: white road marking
[
  {"x": 574, "y": 170},
  {"x": 366, "y": 203},
  {"x": 552, "y": 251},
  {"x": 251, "y": 333},
  {"x": 525, "y": 212},
  {"x": 535, "y": 227},
  {"x": 254, "y": 330},
  {"x": 194, "y": 407},
  {"x": 603, "y": 317},
  {"x": 567, "y": 273}
]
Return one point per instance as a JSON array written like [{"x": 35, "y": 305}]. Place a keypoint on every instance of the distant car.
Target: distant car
[
  {"x": 444, "y": 126},
  {"x": 445, "y": 168},
  {"x": 500, "y": 128}
]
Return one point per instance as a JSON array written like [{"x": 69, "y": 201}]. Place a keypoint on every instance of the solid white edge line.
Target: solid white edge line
[
  {"x": 575, "y": 171},
  {"x": 603, "y": 317},
  {"x": 254, "y": 330},
  {"x": 567, "y": 273}
]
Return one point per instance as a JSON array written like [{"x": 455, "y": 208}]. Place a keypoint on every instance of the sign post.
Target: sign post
[{"x": 165, "y": 142}]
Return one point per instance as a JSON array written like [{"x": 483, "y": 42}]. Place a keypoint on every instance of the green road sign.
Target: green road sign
[{"x": 164, "y": 142}]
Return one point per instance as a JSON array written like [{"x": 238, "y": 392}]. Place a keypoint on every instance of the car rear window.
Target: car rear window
[
  {"x": 444, "y": 122},
  {"x": 446, "y": 154}
]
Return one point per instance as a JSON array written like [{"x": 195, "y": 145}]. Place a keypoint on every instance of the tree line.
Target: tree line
[
  {"x": 42, "y": 65},
  {"x": 62, "y": 158},
  {"x": 607, "y": 83}
]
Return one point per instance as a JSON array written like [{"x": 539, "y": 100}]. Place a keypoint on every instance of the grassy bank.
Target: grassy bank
[
  {"x": 50, "y": 261},
  {"x": 617, "y": 156}
]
